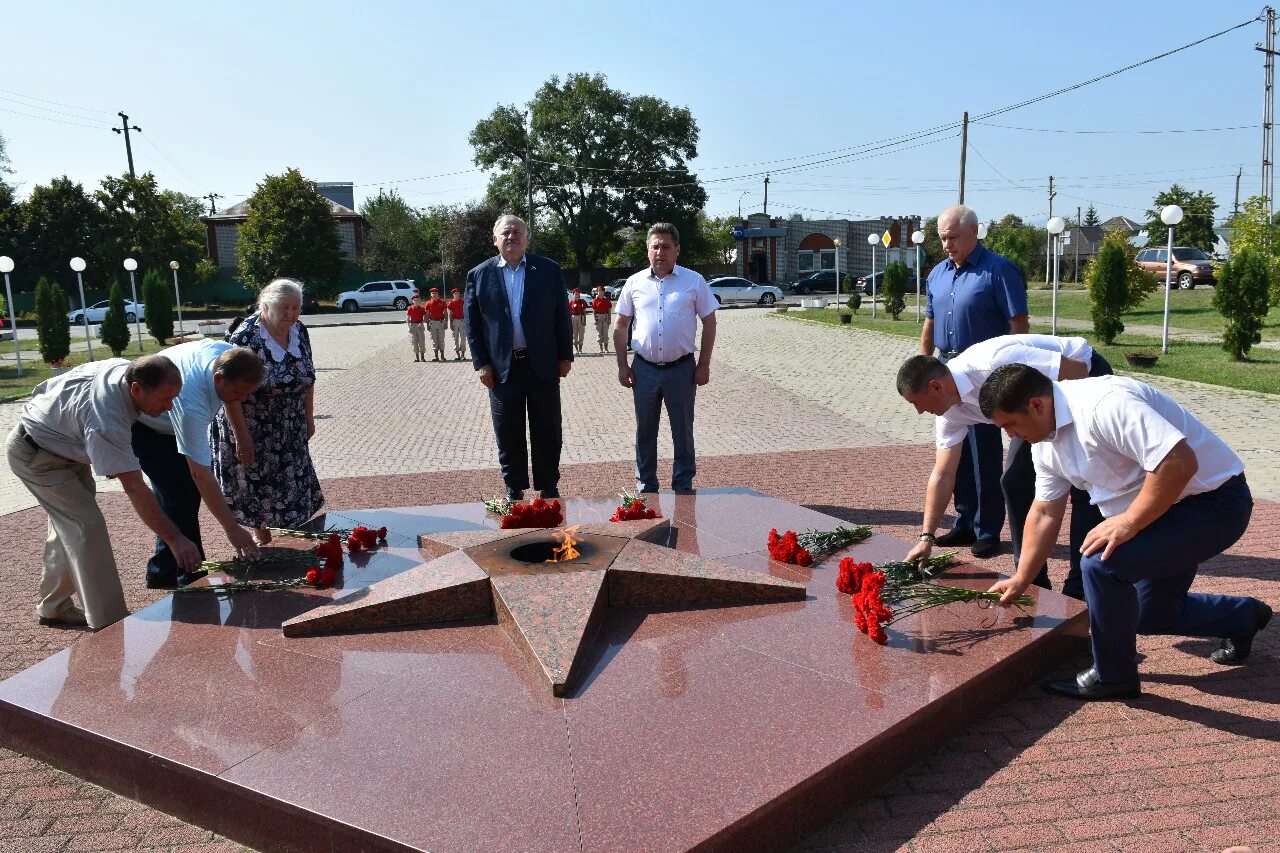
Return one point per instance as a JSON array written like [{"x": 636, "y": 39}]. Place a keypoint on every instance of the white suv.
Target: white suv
[{"x": 378, "y": 294}]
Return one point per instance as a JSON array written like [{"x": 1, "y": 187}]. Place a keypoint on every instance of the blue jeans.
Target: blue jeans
[
  {"x": 655, "y": 387},
  {"x": 1143, "y": 587}
]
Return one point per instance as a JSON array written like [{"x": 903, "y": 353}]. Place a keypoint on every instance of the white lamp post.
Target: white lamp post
[
  {"x": 982, "y": 230},
  {"x": 1170, "y": 216},
  {"x": 873, "y": 238},
  {"x": 6, "y": 267},
  {"x": 837, "y": 242},
  {"x": 78, "y": 265},
  {"x": 917, "y": 237},
  {"x": 131, "y": 265},
  {"x": 177, "y": 297},
  {"x": 1055, "y": 226}
]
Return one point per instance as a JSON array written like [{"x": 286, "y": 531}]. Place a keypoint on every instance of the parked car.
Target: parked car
[
  {"x": 614, "y": 288},
  {"x": 98, "y": 310},
  {"x": 1190, "y": 265},
  {"x": 823, "y": 281},
  {"x": 378, "y": 294},
  {"x": 731, "y": 289}
]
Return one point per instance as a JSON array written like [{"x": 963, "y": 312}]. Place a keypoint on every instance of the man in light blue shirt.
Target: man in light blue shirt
[{"x": 176, "y": 456}]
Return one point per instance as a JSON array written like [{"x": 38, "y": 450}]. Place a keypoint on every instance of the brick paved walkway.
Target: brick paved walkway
[{"x": 802, "y": 412}]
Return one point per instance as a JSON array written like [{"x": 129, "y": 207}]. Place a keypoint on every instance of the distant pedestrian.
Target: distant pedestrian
[
  {"x": 602, "y": 308},
  {"x": 415, "y": 316},
  {"x": 437, "y": 310},
  {"x": 578, "y": 319},
  {"x": 457, "y": 324}
]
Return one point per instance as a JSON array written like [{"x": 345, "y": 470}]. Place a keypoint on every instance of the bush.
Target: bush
[
  {"x": 159, "y": 306},
  {"x": 52, "y": 327},
  {"x": 115, "y": 329},
  {"x": 854, "y": 301},
  {"x": 1243, "y": 298},
  {"x": 895, "y": 288},
  {"x": 1108, "y": 284}
]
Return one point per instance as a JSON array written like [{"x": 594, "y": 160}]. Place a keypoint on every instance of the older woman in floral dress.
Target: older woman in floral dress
[{"x": 261, "y": 456}]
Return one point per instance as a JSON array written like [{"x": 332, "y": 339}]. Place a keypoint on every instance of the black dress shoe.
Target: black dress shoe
[
  {"x": 1234, "y": 650},
  {"x": 515, "y": 494},
  {"x": 548, "y": 494},
  {"x": 956, "y": 537},
  {"x": 1087, "y": 687},
  {"x": 985, "y": 548},
  {"x": 162, "y": 581}
]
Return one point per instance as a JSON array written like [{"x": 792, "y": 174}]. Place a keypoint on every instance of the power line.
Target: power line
[
  {"x": 55, "y": 120},
  {"x": 1122, "y": 132},
  {"x": 41, "y": 101}
]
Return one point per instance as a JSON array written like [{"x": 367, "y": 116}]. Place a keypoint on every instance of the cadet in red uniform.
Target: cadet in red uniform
[
  {"x": 436, "y": 310},
  {"x": 456, "y": 325},
  {"x": 417, "y": 332},
  {"x": 601, "y": 306},
  {"x": 578, "y": 318}
]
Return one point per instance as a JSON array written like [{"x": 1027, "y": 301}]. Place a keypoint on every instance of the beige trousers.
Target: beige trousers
[
  {"x": 437, "y": 335},
  {"x": 579, "y": 328},
  {"x": 418, "y": 335},
  {"x": 77, "y": 550},
  {"x": 459, "y": 329},
  {"x": 602, "y": 329}
]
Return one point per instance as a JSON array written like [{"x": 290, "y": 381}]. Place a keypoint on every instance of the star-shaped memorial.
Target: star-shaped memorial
[{"x": 549, "y": 607}]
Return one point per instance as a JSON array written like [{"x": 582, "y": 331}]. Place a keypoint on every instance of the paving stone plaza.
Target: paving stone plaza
[{"x": 808, "y": 414}]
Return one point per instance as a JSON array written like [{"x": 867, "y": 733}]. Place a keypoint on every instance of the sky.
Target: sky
[{"x": 384, "y": 94}]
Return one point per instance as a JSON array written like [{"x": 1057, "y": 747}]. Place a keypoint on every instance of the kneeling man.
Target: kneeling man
[{"x": 1172, "y": 494}]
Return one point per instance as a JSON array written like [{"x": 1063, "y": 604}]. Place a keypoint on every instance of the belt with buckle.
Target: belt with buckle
[
  {"x": 26, "y": 436},
  {"x": 950, "y": 353},
  {"x": 662, "y": 365},
  {"x": 519, "y": 353}
]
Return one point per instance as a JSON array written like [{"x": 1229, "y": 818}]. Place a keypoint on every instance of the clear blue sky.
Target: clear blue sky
[{"x": 376, "y": 92}]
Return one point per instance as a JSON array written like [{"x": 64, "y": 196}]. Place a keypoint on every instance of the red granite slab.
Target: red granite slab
[{"x": 718, "y": 728}]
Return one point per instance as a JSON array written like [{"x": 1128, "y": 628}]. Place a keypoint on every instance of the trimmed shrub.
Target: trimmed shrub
[
  {"x": 895, "y": 288},
  {"x": 1243, "y": 298},
  {"x": 115, "y": 329},
  {"x": 1108, "y": 283},
  {"x": 52, "y": 327},
  {"x": 159, "y": 306}
]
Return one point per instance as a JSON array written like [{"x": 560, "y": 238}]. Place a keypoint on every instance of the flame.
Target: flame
[{"x": 566, "y": 550}]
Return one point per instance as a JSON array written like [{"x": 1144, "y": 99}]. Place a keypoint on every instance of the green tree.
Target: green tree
[
  {"x": 715, "y": 243},
  {"x": 51, "y": 322},
  {"x": 1250, "y": 229},
  {"x": 115, "y": 329},
  {"x": 895, "y": 286},
  {"x": 1108, "y": 283},
  {"x": 1021, "y": 243},
  {"x": 396, "y": 242},
  {"x": 1243, "y": 298},
  {"x": 855, "y": 296},
  {"x": 932, "y": 245},
  {"x": 159, "y": 306},
  {"x": 290, "y": 231},
  {"x": 602, "y": 160},
  {"x": 150, "y": 225},
  {"x": 59, "y": 221},
  {"x": 1196, "y": 228},
  {"x": 1091, "y": 216},
  {"x": 9, "y": 231},
  {"x": 468, "y": 237}
]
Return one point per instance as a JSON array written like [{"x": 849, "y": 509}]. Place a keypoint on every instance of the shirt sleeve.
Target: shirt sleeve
[
  {"x": 191, "y": 419},
  {"x": 705, "y": 300},
  {"x": 928, "y": 301},
  {"x": 110, "y": 451},
  {"x": 1045, "y": 361},
  {"x": 1050, "y": 485},
  {"x": 1128, "y": 426},
  {"x": 626, "y": 306},
  {"x": 948, "y": 433},
  {"x": 1010, "y": 290}
]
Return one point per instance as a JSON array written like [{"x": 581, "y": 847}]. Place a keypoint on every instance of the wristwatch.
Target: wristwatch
[{"x": 927, "y": 536}]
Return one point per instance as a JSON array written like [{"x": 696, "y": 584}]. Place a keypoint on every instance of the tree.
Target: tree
[
  {"x": 1196, "y": 228},
  {"x": 468, "y": 236},
  {"x": 895, "y": 285},
  {"x": 1021, "y": 243},
  {"x": 289, "y": 232},
  {"x": 1091, "y": 216},
  {"x": 603, "y": 160},
  {"x": 855, "y": 296},
  {"x": 115, "y": 329},
  {"x": 715, "y": 243},
  {"x": 396, "y": 242},
  {"x": 1250, "y": 229},
  {"x": 1108, "y": 287},
  {"x": 1242, "y": 297},
  {"x": 150, "y": 225},
  {"x": 159, "y": 305},
  {"x": 932, "y": 246},
  {"x": 59, "y": 221},
  {"x": 51, "y": 322}
]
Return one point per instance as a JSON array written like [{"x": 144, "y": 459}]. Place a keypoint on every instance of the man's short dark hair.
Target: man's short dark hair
[
  {"x": 152, "y": 371},
  {"x": 917, "y": 372},
  {"x": 663, "y": 228},
  {"x": 1010, "y": 389},
  {"x": 239, "y": 365}
]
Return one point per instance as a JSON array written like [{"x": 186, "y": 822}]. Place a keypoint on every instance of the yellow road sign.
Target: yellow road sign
[{"x": 886, "y": 239}]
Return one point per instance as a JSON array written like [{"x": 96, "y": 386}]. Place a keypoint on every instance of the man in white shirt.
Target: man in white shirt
[
  {"x": 665, "y": 302},
  {"x": 1173, "y": 495},
  {"x": 950, "y": 391}
]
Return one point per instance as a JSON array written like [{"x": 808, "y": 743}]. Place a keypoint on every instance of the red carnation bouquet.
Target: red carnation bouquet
[
  {"x": 786, "y": 549},
  {"x": 632, "y": 508},
  {"x": 366, "y": 539},
  {"x": 813, "y": 545},
  {"x": 539, "y": 513}
]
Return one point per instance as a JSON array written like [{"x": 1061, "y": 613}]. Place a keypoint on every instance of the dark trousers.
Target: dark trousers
[
  {"x": 1019, "y": 486},
  {"x": 524, "y": 394},
  {"x": 673, "y": 387},
  {"x": 1143, "y": 587},
  {"x": 978, "y": 499},
  {"x": 176, "y": 492}
]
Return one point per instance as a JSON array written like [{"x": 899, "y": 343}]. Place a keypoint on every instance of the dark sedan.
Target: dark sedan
[{"x": 819, "y": 282}]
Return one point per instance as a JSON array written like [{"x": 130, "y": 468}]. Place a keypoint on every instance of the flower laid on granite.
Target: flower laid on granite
[
  {"x": 499, "y": 506},
  {"x": 823, "y": 543},
  {"x": 271, "y": 558},
  {"x": 786, "y": 549},
  {"x": 540, "y": 513},
  {"x": 310, "y": 534},
  {"x": 316, "y": 576},
  {"x": 365, "y": 539},
  {"x": 631, "y": 508}
]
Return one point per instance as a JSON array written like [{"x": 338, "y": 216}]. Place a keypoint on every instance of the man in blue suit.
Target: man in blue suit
[{"x": 517, "y": 317}]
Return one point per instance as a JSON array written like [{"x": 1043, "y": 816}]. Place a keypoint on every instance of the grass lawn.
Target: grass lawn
[
  {"x": 1198, "y": 362},
  {"x": 1188, "y": 309},
  {"x": 34, "y": 371}
]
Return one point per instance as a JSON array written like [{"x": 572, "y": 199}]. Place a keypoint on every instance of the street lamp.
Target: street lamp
[
  {"x": 982, "y": 230},
  {"x": 745, "y": 193},
  {"x": 6, "y": 267},
  {"x": 78, "y": 265},
  {"x": 837, "y": 242},
  {"x": 177, "y": 297},
  {"x": 917, "y": 237},
  {"x": 131, "y": 265},
  {"x": 873, "y": 238},
  {"x": 1170, "y": 216},
  {"x": 1055, "y": 226}
]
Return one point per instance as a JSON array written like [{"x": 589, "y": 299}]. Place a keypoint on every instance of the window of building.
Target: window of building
[
  {"x": 805, "y": 262},
  {"x": 829, "y": 259}
]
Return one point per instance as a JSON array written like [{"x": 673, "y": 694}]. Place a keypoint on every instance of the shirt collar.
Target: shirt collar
[
  {"x": 502, "y": 262},
  {"x": 277, "y": 351},
  {"x": 963, "y": 384},
  {"x": 974, "y": 257},
  {"x": 1061, "y": 411},
  {"x": 675, "y": 269}
]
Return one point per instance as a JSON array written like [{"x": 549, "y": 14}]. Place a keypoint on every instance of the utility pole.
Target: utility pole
[
  {"x": 212, "y": 197},
  {"x": 528, "y": 172},
  {"x": 766, "y": 195},
  {"x": 1268, "y": 110},
  {"x": 128, "y": 148},
  {"x": 1048, "y": 255},
  {"x": 1079, "y": 225},
  {"x": 1235, "y": 208},
  {"x": 964, "y": 152}
]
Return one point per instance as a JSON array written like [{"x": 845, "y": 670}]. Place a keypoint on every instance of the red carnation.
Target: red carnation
[
  {"x": 313, "y": 575},
  {"x": 382, "y": 533}
]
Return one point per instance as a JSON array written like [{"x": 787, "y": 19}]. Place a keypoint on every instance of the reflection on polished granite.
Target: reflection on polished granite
[{"x": 715, "y": 727}]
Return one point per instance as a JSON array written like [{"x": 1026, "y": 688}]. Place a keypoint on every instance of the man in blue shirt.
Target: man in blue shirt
[{"x": 973, "y": 295}]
